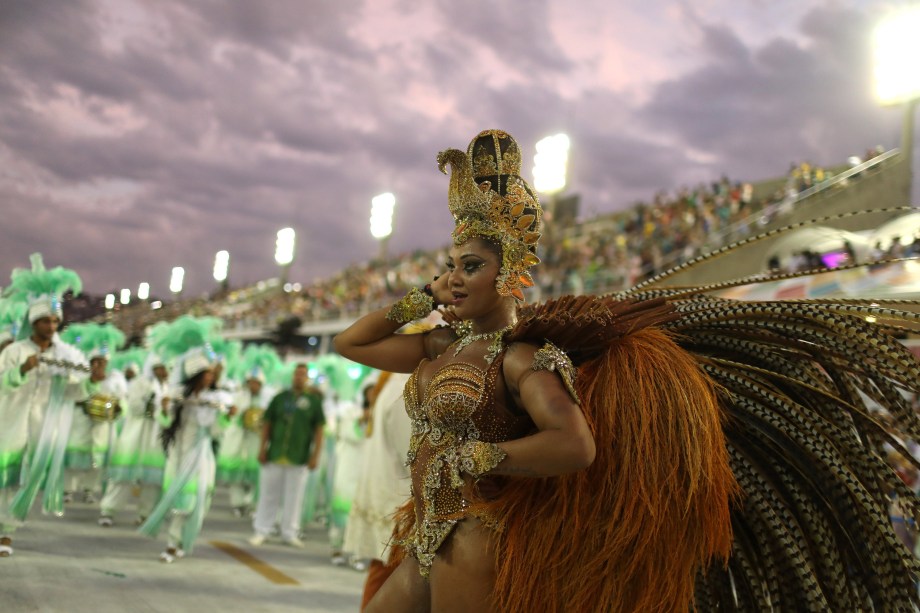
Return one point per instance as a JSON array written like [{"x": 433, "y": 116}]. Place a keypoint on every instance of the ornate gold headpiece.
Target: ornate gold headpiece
[{"x": 489, "y": 199}]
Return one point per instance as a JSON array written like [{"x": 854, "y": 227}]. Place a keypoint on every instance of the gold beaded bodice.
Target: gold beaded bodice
[{"x": 457, "y": 405}]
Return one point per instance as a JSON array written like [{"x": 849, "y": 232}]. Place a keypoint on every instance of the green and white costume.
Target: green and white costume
[
  {"x": 36, "y": 410},
  {"x": 238, "y": 462},
  {"x": 138, "y": 458}
]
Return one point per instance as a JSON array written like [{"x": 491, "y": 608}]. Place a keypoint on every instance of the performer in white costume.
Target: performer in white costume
[
  {"x": 94, "y": 421},
  {"x": 238, "y": 463},
  {"x": 138, "y": 459},
  {"x": 189, "y": 476},
  {"x": 383, "y": 483},
  {"x": 40, "y": 378}
]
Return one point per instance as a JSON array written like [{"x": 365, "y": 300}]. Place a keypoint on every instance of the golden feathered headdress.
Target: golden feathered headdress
[{"x": 489, "y": 199}]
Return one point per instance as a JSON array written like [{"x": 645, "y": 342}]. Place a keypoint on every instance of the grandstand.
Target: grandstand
[{"x": 604, "y": 254}]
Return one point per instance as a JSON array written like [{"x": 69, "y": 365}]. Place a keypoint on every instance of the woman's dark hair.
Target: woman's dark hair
[{"x": 168, "y": 436}]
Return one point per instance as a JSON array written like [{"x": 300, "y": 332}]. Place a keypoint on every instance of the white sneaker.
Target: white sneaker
[
  {"x": 339, "y": 560},
  {"x": 106, "y": 521},
  {"x": 180, "y": 553},
  {"x": 6, "y": 547},
  {"x": 168, "y": 556},
  {"x": 256, "y": 540},
  {"x": 294, "y": 542}
]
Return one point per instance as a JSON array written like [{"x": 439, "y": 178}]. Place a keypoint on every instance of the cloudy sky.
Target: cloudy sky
[{"x": 138, "y": 136}]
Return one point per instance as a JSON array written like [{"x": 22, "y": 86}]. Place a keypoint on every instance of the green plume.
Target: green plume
[
  {"x": 135, "y": 356},
  {"x": 185, "y": 333},
  {"x": 263, "y": 357},
  {"x": 91, "y": 337},
  {"x": 344, "y": 375},
  {"x": 12, "y": 312},
  {"x": 28, "y": 284}
]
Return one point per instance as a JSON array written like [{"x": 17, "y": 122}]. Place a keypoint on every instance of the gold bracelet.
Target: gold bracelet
[
  {"x": 414, "y": 305},
  {"x": 477, "y": 458}
]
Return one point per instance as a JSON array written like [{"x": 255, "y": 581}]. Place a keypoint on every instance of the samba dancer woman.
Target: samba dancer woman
[{"x": 582, "y": 454}]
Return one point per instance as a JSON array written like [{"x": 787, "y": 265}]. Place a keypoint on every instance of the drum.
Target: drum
[
  {"x": 102, "y": 408},
  {"x": 252, "y": 419}
]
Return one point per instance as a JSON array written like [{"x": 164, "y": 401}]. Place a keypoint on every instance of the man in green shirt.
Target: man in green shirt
[{"x": 292, "y": 437}]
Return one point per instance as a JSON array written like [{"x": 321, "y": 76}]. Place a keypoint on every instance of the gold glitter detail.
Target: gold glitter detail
[
  {"x": 552, "y": 358},
  {"x": 454, "y": 427},
  {"x": 414, "y": 305},
  {"x": 495, "y": 344},
  {"x": 479, "y": 209}
]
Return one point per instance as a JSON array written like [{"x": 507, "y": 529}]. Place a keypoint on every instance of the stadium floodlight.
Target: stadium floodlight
[
  {"x": 284, "y": 246},
  {"x": 382, "y": 215},
  {"x": 176, "y": 280},
  {"x": 143, "y": 291},
  {"x": 110, "y": 301},
  {"x": 897, "y": 48},
  {"x": 382, "y": 220},
  {"x": 221, "y": 265},
  {"x": 125, "y": 296},
  {"x": 550, "y": 164}
]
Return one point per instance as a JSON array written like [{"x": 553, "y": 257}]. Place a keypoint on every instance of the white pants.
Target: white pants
[
  {"x": 8, "y": 525},
  {"x": 118, "y": 492},
  {"x": 281, "y": 488},
  {"x": 241, "y": 494},
  {"x": 84, "y": 480}
]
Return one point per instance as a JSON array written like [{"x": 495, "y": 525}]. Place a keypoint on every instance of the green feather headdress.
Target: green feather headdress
[
  {"x": 39, "y": 281},
  {"x": 174, "y": 339},
  {"x": 95, "y": 340},
  {"x": 344, "y": 375},
  {"x": 12, "y": 312},
  {"x": 257, "y": 359},
  {"x": 41, "y": 289},
  {"x": 135, "y": 357},
  {"x": 228, "y": 352}
]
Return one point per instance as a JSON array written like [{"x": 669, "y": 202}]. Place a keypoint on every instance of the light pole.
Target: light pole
[
  {"x": 222, "y": 268},
  {"x": 382, "y": 220},
  {"x": 897, "y": 80},
  {"x": 284, "y": 251},
  {"x": 176, "y": 280},
  {"x": 549, "y": 169}
]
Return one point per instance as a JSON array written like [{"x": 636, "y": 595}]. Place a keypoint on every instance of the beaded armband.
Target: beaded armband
[
  {"x": 414, "y": 305},
  {"x": 476, "y": 458},
  {"x": 552, "y": 358}
]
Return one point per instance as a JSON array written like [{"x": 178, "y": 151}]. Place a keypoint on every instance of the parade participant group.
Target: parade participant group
[
  {"x": 151, "y": 431},
  {"x": 660, "y": 449}
]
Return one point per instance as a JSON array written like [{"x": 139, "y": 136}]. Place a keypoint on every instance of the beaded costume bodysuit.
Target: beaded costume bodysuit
[{"x": 455, "y": 407}]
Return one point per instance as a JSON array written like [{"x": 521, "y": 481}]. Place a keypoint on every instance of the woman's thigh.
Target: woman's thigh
[
  {"x": 404, "y": 591},
  {"x": 463, "y": 572}
]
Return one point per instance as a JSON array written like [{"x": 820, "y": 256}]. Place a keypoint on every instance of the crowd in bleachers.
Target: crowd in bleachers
[{"x": 604, "y": 254}]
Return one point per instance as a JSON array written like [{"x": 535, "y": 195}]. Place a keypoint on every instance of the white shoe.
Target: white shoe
[
  {"x": 294, "y": 542},
  {"x": 256, "y": 540},
  {"x": 339, "y": 560},
  {"x": 106, "y": 521},
  {"x": 168, "y": 556},
  {"x": 180, "y": 553},
  {"x": 359, "y": 565},
  {"x": 6, "y": 547}
]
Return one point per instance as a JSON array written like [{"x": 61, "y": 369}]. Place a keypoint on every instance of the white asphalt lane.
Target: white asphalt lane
[{"x": 70, "y": 564}]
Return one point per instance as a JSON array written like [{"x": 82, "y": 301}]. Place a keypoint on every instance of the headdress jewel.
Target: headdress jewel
[{"x": 489, "y": 199}]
